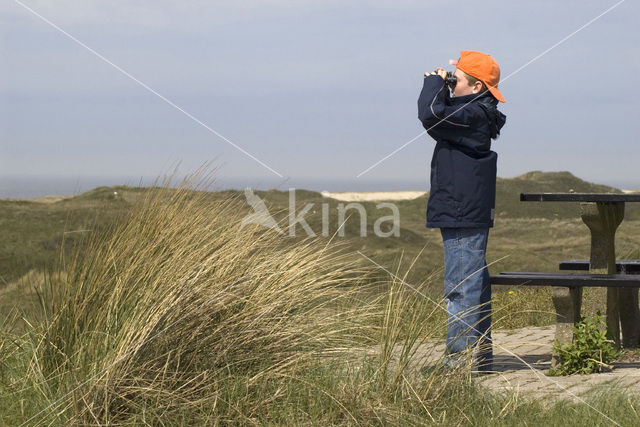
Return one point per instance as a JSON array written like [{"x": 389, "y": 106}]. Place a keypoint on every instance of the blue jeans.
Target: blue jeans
[{"x": 467, "y": 292}]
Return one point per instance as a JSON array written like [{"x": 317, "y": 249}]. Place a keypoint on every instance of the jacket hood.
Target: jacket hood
[{"x": 490, "y": 106}]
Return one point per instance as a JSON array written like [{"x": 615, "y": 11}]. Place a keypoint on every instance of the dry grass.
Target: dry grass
[
  {"x": 161, "y": 311},
  {"x": 179, "y": 316}
]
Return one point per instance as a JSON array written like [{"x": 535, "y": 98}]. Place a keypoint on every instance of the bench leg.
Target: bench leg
[
  {"x": 629, "y": 316},
  {"x": 603, "y": 220},
  {"x": 613, "y": 315},
  {"x": 567, "y": 302}
]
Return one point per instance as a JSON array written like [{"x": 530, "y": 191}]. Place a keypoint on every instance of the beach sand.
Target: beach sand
[{"x": 374, "y": 196}]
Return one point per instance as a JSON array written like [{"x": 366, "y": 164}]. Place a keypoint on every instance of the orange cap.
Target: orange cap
[{"x": 484, "y": 68}]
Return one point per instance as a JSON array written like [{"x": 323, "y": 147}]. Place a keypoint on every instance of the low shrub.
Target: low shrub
[{"x": 589, "y": 352}]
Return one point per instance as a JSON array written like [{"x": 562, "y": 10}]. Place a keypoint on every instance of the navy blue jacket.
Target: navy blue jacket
[{"x": 463, "y": 167}]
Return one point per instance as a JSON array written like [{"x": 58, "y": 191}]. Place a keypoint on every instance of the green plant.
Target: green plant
[{"x": 589, "y": 352}]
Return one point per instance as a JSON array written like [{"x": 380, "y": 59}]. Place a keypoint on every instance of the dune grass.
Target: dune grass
[
  {"x": 167, "y": 307},
  {"x": 177, "y": 315}
]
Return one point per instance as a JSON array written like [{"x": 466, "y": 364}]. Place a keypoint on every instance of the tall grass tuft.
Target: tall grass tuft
[{"x": 160, "y": 314}]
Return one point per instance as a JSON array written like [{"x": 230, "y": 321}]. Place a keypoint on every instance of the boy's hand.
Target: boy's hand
[{"x": 439, "y": 71}]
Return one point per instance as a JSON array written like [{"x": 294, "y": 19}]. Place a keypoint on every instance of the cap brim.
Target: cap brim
[{"x": 496, "y": 93}]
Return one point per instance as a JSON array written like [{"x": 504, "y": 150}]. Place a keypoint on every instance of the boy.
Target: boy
[{"x": 462, "y": 197}]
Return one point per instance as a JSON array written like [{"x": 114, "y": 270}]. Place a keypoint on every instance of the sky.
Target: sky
[{"x": 307, "y": 94}]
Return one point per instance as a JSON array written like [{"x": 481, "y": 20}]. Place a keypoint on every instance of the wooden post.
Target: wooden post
[
  {"x": 603, "y": 219},
  {"x": 629, "y": 316},
  {"x": 567, "y": 302}
]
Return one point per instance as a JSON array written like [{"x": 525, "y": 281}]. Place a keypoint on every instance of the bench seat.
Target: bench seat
[{"x": 569, "y": 280}]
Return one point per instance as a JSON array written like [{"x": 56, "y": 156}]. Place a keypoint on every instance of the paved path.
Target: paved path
[
  {"x": 522, "y": 358},
  {"x": 533, "y": 345}
]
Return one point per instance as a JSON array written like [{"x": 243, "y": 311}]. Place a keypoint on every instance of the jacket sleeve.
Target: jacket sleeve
[{"x": 433, "y": 111}]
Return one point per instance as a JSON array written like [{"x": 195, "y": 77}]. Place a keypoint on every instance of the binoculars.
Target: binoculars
[{"x": 450, "y": 80}]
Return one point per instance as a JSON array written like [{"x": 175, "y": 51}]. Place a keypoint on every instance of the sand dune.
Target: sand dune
[{"x": 374, "y": 196}]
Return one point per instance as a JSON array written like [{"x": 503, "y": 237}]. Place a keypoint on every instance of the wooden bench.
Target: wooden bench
[
  {"x": 566, "y": 293},
  {"x": 567, "y": 280}
]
